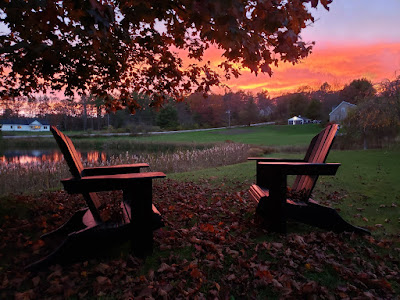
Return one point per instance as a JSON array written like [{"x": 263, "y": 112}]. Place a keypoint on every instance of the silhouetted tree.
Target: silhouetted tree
[
  {"x": 314, "y": 110},
  {"x": 167, "y": 118},
  {"x": 375, "y": 119},
  {"x": 185, "y": 116},
  {"x": 298, "y": 104},
  {"x": 281, "y": 107},
  {"x": 390, "y": 89},
  {"x": 113, "y": 47},
  {"x": 265, "y": 104},
  {"x": 325, "y": 87},
  {"x": 250, "y": 113},
  {"x": 358, "y": 90}
]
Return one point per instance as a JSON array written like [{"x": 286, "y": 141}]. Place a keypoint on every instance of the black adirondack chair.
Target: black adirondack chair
[
  {"x": 86, "y": 232},
  {"x": 271, "y": 192}
]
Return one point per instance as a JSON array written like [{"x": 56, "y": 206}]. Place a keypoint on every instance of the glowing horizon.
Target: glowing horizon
[
  {"x": 336, "y": 65},
  {"x": 354, "y": 39}
]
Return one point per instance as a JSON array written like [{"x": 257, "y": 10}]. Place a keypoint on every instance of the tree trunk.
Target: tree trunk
[
  {"x": 365, "y": 141},
  {"x": 84, "y": 104},
  {"x": 65, "y": 120},
  {"x": 98, "y": 118}
]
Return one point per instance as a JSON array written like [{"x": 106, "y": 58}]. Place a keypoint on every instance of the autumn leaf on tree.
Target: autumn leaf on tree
[{"x": 114, "y": 48}]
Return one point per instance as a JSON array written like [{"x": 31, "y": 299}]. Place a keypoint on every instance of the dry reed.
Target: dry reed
[{"x": 36, "y": 177}]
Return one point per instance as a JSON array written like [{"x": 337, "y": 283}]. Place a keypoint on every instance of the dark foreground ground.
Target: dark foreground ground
[{"x": 211, "y": 248}]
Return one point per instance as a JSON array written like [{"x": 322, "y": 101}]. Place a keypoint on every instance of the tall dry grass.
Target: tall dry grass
[
  {"x": 187, "y": 160},
  {"x": 35, "y": 177}
]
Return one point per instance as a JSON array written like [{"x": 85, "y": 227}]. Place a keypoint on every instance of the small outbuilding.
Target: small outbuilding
[
  {"x": 298, "y": 120},
  {"x": 24, "y": 125}
]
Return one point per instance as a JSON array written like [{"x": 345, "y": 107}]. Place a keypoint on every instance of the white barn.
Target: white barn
[{"x": 21, "y": 125}]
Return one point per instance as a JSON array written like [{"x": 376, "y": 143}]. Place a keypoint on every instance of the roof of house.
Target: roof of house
[
  {"x": 25, "y": 121},
  {"x": 295, "y": 118},
  {"x": 343, "y": 102}
]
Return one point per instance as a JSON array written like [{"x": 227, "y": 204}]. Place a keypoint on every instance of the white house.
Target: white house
[
  {"x": 23, "y": 125},
  {"x": 298, "y": 120},
  {"x": 339, "y": 113}
]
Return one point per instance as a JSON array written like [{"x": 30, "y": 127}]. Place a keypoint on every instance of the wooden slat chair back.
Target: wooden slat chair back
[
  {"x": 68, "y": 150},
  {"x": 275, "y": 205},
  {"x": 317, "y": 152},
  {"x": 76, "y": 168}
]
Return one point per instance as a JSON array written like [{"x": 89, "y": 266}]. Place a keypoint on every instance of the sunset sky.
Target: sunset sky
[{"x": 355, "y": 39}]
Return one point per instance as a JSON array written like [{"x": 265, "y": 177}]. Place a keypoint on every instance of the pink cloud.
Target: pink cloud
[{"x": 336, "y": 64}]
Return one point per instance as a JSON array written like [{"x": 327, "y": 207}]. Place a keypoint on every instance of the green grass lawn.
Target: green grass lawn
[
  {"x": 368, "y": 181},
  {"x": 365, "y": 187},
  {"x": 272, "y": 135},
  {"x": 23, "y": 133},
  {"x": 277, "y": 135}
]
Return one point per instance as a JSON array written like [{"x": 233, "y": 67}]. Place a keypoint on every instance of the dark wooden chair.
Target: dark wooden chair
[
  {"x": 276, "y": 203},
  {"x": 86, "y": 232}
]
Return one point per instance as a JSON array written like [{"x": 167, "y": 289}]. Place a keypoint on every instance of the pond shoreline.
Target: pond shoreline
[{"x": 139, "y": 133}]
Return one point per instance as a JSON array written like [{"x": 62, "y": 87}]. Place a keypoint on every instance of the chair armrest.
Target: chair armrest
[
  {"x": 272, "y": 159},
  {"x": 298, "y": 168},
  {"x": 113, "y": 170},
  {"x": 107, "y": 182}
]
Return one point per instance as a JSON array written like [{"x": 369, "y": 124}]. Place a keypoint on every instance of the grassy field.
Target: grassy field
[
  {"x": 365, "y": 187},
  {"x": 260, "y": 135},
  {"x": 275, "y": 135},
  {"x": 272, "y": 136},
  {"x": 23, "y": 133}
]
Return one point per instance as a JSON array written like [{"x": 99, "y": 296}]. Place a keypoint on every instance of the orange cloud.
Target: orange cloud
[{"x": 335, "y": 64}]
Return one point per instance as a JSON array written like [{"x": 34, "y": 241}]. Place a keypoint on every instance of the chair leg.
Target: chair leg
[
  {"x": 65, "y": 252},
  {"x": 81, "y": 241},
  {"x": 73, "y": 224},
  {"x": 157, "y": 221},
  {"x": 89, "y": 242},
  {"x": 272, "y": 208},
  {"x": 142, "y": 218},
  {"x": 321, "y": 216}
]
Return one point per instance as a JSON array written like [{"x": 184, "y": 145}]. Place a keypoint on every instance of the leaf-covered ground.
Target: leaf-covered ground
[{"x": 210, "y": 248}]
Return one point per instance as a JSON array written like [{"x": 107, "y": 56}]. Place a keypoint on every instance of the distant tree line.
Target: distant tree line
[{"x": 375, "y": 119}]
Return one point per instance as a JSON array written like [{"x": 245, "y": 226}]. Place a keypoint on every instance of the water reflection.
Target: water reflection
[{"x": 22, "y": 157}]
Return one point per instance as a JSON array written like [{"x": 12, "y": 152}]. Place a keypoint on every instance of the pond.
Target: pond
[
  {"x": 32, "y": 153},
  {"x": 38, "y": 156},
  {"x": 38, "y": 151}
]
